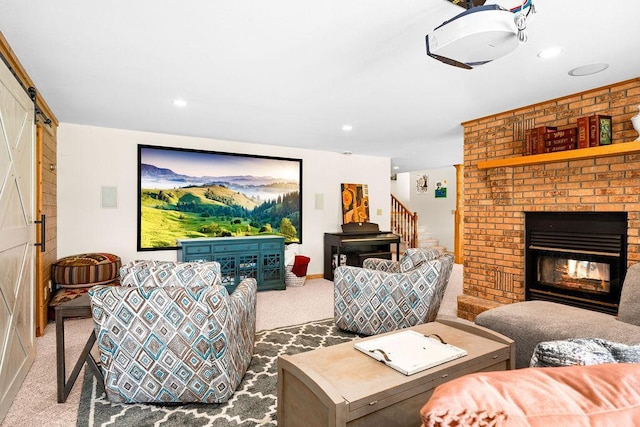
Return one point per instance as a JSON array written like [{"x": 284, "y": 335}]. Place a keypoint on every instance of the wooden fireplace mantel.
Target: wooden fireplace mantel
[{"x": 563, "y": 156}]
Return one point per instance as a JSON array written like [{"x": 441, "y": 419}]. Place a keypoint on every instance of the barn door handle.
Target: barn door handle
[{"x": 42, "y": 233}]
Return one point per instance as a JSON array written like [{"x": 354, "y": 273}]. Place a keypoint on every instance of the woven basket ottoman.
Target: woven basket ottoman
[
  {"x": 86, "y": 270},
  {"x": 74, "y": 275}
]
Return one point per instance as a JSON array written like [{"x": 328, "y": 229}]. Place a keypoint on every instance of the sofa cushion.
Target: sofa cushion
[
  {"x": 531, "y": 322},
  {"x": 606, "y": 394}
]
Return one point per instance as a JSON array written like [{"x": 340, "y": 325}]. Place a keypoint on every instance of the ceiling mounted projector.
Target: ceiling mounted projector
[{"x": 478, "y": 35}]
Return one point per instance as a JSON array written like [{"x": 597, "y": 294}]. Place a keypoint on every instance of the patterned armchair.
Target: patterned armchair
[
  {"x": 386, "y": 295},
  {"x": 172, "y": 333}
]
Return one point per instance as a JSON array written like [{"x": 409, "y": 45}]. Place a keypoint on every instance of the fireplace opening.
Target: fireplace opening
[{"x": 576, "y": 258}]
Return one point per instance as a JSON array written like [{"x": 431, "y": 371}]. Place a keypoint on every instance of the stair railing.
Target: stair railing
[{"x": 404, "y": 222}]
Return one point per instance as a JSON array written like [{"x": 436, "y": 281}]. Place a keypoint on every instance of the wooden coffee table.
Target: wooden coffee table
[{"x": 341, "y": 386}]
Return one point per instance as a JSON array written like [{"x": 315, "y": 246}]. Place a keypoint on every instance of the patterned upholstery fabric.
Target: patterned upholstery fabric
[
  {"x": 85, "y": 270},
  {"x": 381, "y": 264},
  {"x": 186, "y": 342},
  {"x": 170, "y": 273},
  {"x": 414, "y": 257},
  {"x": 68, "y": 294},
  {"x": 411, "y": 259},
  {"x": 372, "y": 302},
  {"x": 583, "y": 351}
]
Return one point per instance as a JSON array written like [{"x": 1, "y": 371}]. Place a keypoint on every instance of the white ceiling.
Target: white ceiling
[{"x": 293, "y": 72}]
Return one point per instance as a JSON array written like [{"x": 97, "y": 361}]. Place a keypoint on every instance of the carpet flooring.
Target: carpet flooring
[{"x": 253, "y": 403}]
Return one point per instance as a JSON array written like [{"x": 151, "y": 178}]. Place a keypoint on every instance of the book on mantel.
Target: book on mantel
[{"x": 409, "y": 352}]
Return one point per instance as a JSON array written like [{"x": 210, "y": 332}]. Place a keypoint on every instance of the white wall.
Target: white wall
[
  {"x": 436, "y": 215},
  {"x": 92, "y": 157},
  {"x": 401, "y": 188}
]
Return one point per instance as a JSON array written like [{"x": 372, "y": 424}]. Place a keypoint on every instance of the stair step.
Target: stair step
[{"x": 428, "y": 243}]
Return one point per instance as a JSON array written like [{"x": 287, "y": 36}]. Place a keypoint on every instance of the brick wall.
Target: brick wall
[{"x": 495, "y": 199}]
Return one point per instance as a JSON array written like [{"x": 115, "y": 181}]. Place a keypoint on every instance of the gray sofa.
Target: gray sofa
[{"x": 531, "y": 322}]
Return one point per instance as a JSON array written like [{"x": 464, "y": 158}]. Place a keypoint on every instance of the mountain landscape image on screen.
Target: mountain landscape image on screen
[{"x": 175, "y": 206}]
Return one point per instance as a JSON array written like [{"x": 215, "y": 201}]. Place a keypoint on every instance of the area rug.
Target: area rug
[{"x": 253, "y": 404}]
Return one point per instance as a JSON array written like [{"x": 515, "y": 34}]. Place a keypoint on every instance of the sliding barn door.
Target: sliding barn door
[{"x": 17, "y": 175}]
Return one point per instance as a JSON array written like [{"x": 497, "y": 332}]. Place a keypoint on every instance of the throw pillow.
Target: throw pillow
[
  {"x": 583, "y": 351},
  {"x": 300, "y": 265}
]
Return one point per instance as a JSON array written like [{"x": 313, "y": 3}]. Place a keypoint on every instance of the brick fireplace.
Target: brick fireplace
[{"x": 496, "y": 198}]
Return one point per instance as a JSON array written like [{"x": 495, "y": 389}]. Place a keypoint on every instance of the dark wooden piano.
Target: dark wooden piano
[{"x": 358, "y": 241}]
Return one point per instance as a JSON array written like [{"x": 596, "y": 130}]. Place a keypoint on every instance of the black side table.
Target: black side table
[{"x": 78, "y": 307}]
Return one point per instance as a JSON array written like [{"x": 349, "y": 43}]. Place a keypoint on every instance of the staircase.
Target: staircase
[
  {"x": 426, "y": 240},
  {"x": 405, "y": 223}
]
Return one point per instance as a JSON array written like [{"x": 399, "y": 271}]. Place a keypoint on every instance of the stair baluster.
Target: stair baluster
[{"x": 404, "y": 222}]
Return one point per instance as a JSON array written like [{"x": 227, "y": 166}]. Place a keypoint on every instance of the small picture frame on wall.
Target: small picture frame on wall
[
  {"x": 422, "y": 184},
  {"x": 441, "y": 189}
]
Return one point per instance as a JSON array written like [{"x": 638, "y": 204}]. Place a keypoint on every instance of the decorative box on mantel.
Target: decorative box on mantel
[{"x": 258, "y": 257}]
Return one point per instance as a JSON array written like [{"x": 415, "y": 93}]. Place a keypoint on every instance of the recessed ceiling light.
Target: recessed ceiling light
[
  {"x": 347, "y": 128},
  {"x": 589, "y": 69},
  {"x": 395, "y": 168},
  {"x": 550, "y": 52},
  {"x": 179, "y": 102}
]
